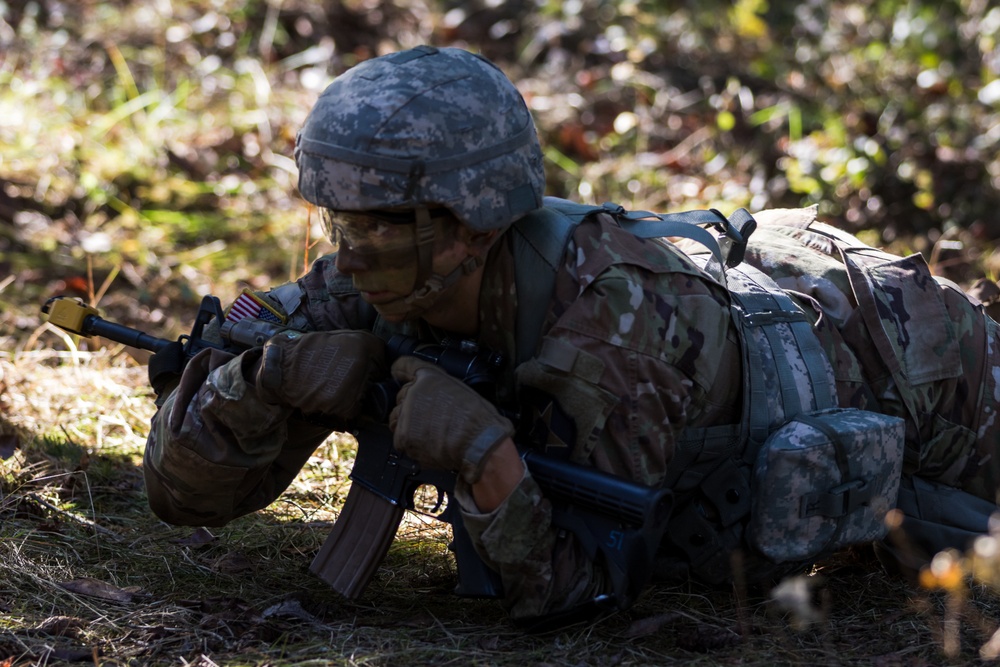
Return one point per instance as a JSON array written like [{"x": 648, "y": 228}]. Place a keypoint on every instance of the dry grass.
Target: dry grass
[{"x": 91, "y": 576}]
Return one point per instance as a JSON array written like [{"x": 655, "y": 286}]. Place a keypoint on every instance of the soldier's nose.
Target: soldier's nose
[{"x": 349, "y": 261}]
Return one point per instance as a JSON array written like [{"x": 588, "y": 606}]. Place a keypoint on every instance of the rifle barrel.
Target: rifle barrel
[
  {"x": 76, "y": 317},
  {"x": 97, "y": 326}
]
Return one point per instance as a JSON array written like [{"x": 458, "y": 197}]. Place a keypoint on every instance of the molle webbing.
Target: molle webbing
[
  {"x": 759, "y": 306},
  {"x": 714, "y": 494},
  {"x": 764, "y": 313}
]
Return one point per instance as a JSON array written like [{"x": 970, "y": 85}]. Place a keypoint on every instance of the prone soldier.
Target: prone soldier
[{"x": 788, "y": 384}]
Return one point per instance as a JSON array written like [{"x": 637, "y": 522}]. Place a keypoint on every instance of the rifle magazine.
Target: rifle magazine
[{"x": 358, "y": 543}]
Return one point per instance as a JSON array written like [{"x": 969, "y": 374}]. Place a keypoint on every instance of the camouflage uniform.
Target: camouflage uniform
[{"x": 638, "y": 345}]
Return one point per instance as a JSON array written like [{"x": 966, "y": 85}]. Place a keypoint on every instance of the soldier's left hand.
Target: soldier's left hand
[{"x": 441, "y": 422}]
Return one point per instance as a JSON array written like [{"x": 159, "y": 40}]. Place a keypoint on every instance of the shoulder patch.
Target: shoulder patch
[{"x": 249, "y": 304}]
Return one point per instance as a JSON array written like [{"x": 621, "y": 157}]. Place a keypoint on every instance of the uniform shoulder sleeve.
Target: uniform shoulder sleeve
[{"x": 329, "y": 301}]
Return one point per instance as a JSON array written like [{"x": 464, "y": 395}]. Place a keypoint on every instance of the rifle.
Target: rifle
[{"x": 616, "y": 521}]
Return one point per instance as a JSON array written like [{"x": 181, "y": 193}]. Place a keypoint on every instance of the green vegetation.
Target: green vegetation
[{"x": 145, "y": 160}]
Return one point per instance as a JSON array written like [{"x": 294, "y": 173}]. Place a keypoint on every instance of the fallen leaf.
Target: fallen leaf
[
  {"x": 650, "y": 625},
  {"x": 76, "y": 284},
  {"x": 985, "y": 290},
  {"x": 8, "y": 443},
  {"x": 199, "y": 537},
  {"x": 233, "y": 562},
  {"x": 289, "y": 609},
  {"x": 704, "y": 638},
  {"x": 74, "y": 655},
  {"x": 98, "y": 589},
  {"x": 60, "y": 626},
  {"x": 420, "y": 620}
]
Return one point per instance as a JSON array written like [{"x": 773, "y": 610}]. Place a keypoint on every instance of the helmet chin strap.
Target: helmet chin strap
[
  {"x": 428, "y": 285},
  {"x": 425, "y": 246}
]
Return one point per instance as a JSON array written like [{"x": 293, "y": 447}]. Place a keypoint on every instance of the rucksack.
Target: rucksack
[{"x": 798, "y": 477}]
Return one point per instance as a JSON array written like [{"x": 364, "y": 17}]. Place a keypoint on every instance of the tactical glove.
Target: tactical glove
[
  {"x": 441, "y": 422},
  {"x": 324, "y": 372}
]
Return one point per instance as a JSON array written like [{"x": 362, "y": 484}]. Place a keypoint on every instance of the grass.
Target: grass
[{"x": 90, "y": 576}]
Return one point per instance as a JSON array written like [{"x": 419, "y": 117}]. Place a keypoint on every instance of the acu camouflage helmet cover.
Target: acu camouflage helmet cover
[{"x": 422, "y": 128}]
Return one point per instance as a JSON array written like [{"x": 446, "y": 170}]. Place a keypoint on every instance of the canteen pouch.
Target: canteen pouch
[{"x": 825, "y": 480}]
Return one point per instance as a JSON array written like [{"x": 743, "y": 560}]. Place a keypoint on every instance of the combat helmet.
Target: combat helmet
[{"x": 422, "y": 128}]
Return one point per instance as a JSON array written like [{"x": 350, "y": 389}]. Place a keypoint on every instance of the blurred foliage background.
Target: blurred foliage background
[{"x": 145, "y": 146}]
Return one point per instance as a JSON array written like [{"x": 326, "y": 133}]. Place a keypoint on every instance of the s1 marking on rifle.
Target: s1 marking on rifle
[{"x": 616, "y": 539}]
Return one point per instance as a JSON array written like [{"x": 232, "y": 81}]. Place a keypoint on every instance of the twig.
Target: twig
[{"x": 79, "y": 519}]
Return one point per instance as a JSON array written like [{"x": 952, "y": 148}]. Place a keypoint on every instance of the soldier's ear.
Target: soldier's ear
[{"x": 479, "y": 242}]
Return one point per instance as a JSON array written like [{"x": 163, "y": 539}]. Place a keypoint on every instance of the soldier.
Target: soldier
[{"x": 426, "y": 168}]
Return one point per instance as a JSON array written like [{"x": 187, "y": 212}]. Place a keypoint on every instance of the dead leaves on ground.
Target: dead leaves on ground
[
  {"x": 692, "y": 635},
  {"x": 96, "y": 588},
  {"x": 68, "y": 627},
  {"x": 236, "y": 619},
  {"x": 219, "y": 623},
  {"x": 59, "y": 626},
  {"x": 291, "y": 608},
  {"x": 200, "y": 537},
  {"x": 232, "y": 562}
]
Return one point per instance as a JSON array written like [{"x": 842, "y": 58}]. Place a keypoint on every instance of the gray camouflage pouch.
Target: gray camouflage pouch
[{"x": 824, "y": 480}]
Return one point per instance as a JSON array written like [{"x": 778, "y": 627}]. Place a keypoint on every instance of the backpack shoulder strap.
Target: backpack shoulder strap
[
  {"x": 539, "y": 242},
  {"x": 540, "y": 238},
  {"x": 728, "y": 248}
]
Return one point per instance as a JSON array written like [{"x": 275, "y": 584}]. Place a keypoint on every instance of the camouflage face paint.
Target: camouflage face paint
[{"x": 379, "y": 251}]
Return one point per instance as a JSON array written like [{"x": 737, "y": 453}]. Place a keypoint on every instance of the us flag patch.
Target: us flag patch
[{"x": 248, "y": 304}]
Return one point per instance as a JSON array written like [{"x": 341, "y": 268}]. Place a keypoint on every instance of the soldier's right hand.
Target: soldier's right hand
[{"x": 323, "y": 372}]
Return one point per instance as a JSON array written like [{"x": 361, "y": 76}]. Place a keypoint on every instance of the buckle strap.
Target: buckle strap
[
  {"x": 729, "y": 248},
  {"x": 839, "y": 501}
]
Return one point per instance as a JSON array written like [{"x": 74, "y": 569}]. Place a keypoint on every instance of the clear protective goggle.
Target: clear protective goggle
[
  {"x": 368, "y": 232},
  {"x": 383, "y": 239}
]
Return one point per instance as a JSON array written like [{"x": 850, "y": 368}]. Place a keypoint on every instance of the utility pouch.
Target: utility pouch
[{"x": 824, "y": 480}]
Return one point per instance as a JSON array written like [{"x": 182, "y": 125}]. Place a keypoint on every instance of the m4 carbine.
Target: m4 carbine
[{"x": 618, "y": 522}]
